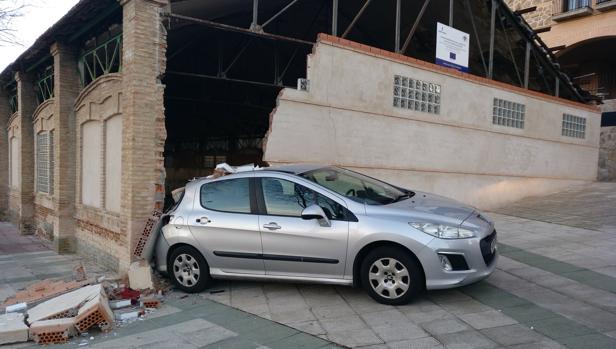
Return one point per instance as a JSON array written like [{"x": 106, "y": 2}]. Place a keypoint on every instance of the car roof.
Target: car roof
[{"x": 294, "y": 168}]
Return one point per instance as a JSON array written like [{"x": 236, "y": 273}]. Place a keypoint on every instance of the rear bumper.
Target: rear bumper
[
  {"x": 480, "y": 265},
  {"x": 160, "y": 253}
]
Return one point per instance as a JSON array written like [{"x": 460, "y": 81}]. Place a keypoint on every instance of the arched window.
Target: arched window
[
  {"x": 91, "y": 163},
  {"x": 44, "y": 162},
  {"x": 14, "y": 162},
  {"x": 113, "y": 163}
]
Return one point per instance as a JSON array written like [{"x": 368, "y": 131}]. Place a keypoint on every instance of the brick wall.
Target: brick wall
[
  {"x": 542, "y": 17},
  {"x": 14, "y": 202},
  {"x": 44, "y": 214},
  {"x": 607, "y": 154},
  {"x": 27, "y": 102},
  {"x": 44, "y": 218},
  {"x": 4, "y": 155},
  {"x": 144, "y": 41},
  {"x": 96, "y": 230},
  {"x": 66, "y": 88}
]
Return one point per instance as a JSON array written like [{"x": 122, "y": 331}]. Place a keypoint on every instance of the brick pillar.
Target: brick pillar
[
  {"x": 4, "y": 153},
  {"x": 66, "y": 89},
  {"x": 26, "y": 101},
  {"x": 144, "y": 46}
]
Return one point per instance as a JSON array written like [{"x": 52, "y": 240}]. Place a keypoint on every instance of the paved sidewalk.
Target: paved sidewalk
[
  {"x": 183, "y": 321},
  {"x": 591, "y": 206},
  {"x": 555, "y": 287}
]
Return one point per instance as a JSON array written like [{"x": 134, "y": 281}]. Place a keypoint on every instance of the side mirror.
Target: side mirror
[{"x": 316, "y": 212}]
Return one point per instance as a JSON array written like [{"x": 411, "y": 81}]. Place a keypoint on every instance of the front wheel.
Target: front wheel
[
  {"x": 391, "y": 276},
  {"x": 188, "y": 269}
]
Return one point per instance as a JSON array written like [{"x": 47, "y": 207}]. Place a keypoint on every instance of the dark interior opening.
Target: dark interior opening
[
  {"x": 222, "y": 83},
  {"x": 221, "y": 87}
]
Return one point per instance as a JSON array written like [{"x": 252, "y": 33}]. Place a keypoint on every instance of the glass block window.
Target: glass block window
[
  {"x": 417, "y": 95},
  {"x": 574, "y": 126},
  {"x": 42, "y": 162},
  {"x": 507, "y": 113}
]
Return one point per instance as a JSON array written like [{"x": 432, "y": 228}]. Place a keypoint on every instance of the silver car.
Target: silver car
[{"x": 309, "y": 223}]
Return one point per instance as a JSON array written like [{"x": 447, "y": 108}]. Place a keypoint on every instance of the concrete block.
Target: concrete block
[
  {"x": 140, "y": 276},
  {"x": 17, "y": 308},
  {"x": 43, "y": 290},
  {"x": 123, "y": 303},
  {"x": 12, "y": 328},
  {"x": 95, "y": 312},
  {"x": 65, "y": 305},
  {"x": 128, "y": 316},
  {"x": 52, "y": 331}
]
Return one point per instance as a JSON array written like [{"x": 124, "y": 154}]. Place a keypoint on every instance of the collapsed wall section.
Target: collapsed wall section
[{"x": 480, "y": 142}]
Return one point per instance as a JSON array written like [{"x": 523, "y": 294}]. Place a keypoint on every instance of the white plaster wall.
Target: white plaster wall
[
  {"x": 91, "y": 164},
  {"x": 347, "y": 118},
  {"x": 113, "y": 163}
]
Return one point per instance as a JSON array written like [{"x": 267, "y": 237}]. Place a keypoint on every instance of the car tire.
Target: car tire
[
  {"x": 188, "y": 269},
  {"x": 391, "y": 275}
]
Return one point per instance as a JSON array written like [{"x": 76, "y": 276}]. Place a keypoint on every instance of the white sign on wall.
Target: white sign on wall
[{"x": 452, "y": 47}]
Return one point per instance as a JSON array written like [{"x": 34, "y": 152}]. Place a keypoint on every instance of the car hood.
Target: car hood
[{"x": 431, "y": 207}]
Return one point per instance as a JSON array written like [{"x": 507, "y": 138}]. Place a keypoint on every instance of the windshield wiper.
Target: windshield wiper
[{"x": 406, "y": 195}]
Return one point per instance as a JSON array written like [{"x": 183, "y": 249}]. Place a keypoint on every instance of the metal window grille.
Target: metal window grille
[
  {"x": 42, "y": 162},
  {"x": 13, "y": 103},
  {"x": 12, "y": 92},
  {"x": 103, "y": 59},
  {"x": 417, "y": 95},
  {"x": 574, "y": 126},
  {"x": 44, "y": 85},
  {"x": 507, "y": 113}
]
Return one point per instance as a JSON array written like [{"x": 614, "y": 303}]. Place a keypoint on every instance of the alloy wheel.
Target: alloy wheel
[
  {"x": 389, "y": 278},
  {"x": 186, "y": 270}
]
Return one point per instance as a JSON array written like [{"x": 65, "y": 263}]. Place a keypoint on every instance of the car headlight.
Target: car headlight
[{"x": 443, "y": 231}]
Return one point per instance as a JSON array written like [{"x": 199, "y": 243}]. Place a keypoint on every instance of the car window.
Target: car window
[
  {"x": 355, "y": 186},
  {"x": 232, "y": 195},
  {"x": 286, "y": 198}
]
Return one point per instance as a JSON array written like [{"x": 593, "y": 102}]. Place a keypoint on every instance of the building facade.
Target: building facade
[
  {"x": 119, "y": 103},
  {"x": 584, "y": 34}
]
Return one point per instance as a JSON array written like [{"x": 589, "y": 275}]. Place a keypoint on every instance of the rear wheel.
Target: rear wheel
[
  {"x": 391, "y": 276},
  {"x": 188, "y": 269}
]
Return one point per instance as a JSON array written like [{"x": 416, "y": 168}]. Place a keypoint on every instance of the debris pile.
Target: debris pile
[{"x": 53, "y": 312}]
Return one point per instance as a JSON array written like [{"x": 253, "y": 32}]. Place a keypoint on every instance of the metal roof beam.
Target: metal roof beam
[
  {"x": 356, "y": 18},
  {"x": 231, "y": 28},
  {"x": 415, "y": 25},
  {"x": 284, "y": 9}
]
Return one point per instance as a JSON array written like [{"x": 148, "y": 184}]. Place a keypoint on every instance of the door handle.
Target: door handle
[
  {"x": 271, "y": 226},
  {"x": 203, "y": 220}
]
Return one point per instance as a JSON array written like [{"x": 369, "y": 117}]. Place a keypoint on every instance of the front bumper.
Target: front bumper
[{"x": 481, "y": 261}]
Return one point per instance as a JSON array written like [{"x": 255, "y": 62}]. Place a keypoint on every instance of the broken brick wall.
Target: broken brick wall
[
  {"x": 349, "y": 117},
  {"x": 144, "y": 61}
]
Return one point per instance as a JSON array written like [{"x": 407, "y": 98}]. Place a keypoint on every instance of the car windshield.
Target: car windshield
[{"x": 355, "y": 186}]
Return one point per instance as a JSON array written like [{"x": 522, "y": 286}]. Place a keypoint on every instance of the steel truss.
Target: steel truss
[{"x": 499, "y": 10}]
